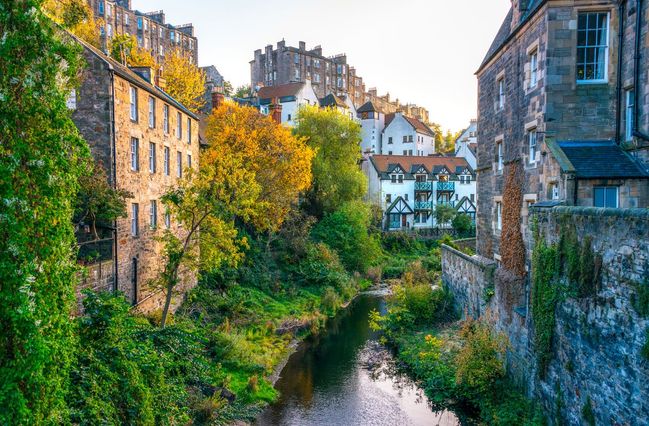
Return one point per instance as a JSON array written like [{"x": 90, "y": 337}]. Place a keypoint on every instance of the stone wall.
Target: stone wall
[
  {"x": 98, "y": 276},
  {"x": 596, "y": 351}
]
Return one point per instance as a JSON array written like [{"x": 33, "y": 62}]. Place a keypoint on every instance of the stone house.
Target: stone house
[
  {"x": 146, "y": 141},
  {"x": 556, "y": 97},
  {"x": 150, "y": 29},
  {"x": 408, "y": 189}
]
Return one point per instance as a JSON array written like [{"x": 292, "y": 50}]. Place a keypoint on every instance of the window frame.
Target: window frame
[
  {"x": 135, "y": 219},
  {"x": 629, "y": 116},
  {"x": 606, "y": 47},
  {"x": 534, "y": 69},
  {"x": 179, "y": 164},
  {"x": 133, "y": 104},
  {"x": 152, "y": 117},
  {"x": 135, "y": 154},
  {"x": 165, "y": 119},
  {"x": 166, "y": 161},
  {"x": 606, "y": 189},
  {"x": 532, "y": 135},
  {"x": 501, "y": 93}
]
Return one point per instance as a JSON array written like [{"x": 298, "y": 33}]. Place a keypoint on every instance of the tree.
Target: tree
[
  {"x": 124, "y": 48},
  {"x": 77, "y": 17},
  {"x": 185, "y": 81},
  {"x": 243, "y": 91},
  {"x": 462, "y": 223},
  {"x": 251, "y": 173},
  {"x": 444, "y": 214},
  {"x": 41, "y": 159},
  {"x": 227, "y": 88},
  {"x": 337, "y": 177}
]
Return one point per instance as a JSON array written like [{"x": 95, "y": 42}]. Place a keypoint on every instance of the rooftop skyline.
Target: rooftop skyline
[{"x": 420, "y": 51}]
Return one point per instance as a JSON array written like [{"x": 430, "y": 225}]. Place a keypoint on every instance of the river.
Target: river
[{"x": 343, "y": 376}]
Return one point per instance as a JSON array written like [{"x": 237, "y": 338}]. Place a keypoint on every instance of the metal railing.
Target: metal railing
[
  {"x": 423, "y": 205},
  {"x": 446, "y": 186},
  {"x": 423, "y": 186}
]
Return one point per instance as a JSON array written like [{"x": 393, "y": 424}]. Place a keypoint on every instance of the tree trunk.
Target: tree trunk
[{"x": 171, "y": 283}]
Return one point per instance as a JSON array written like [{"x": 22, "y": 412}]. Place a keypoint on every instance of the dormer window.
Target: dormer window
[{"x": 396, "y": 178}]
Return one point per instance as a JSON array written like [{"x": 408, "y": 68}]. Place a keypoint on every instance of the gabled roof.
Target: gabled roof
[
  {"x": 133, "y": 78},
  {"x": 595, "y": 160},
  {"x": 332, "y": 100},
  {"x": 385, "y": 164},
  {"x": 415, "y": 123},
  {"x": 403, "y": 204},
  {"x": 368, "y": 107},
  {"x": 506, "y": 32},
  {"x": 281, "y": 91}
]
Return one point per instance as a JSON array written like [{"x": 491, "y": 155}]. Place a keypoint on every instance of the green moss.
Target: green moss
[
  {"x": 640, "y": 299},
  {"x": 645, "y": 348},
  {"x": 587, "y": 412}
]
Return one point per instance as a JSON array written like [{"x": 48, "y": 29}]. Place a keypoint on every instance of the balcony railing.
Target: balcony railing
[
  {"x": 423, "y": 186},
  {"x": 423, "y": 205},
  {"x": 395, "y": 225},
  {"x": 446, "y": 186}
]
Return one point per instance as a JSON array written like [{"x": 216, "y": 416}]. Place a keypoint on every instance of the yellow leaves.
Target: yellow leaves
[
  {"x": 185, "y": 81},
  {"x": 77, "y": 17}
]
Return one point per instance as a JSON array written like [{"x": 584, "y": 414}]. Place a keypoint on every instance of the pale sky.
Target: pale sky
[{"x": 421, "y": 51}]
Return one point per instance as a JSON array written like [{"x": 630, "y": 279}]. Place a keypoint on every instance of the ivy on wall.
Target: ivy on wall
[{"x": 512, "y": 247}]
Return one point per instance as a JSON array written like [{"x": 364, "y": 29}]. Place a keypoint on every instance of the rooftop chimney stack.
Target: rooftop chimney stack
[{"x": 275, "y": 109}]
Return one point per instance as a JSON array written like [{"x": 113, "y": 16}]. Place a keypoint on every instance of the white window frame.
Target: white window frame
[
  {"x": 501, "y": 93},
  {"x": 179, "y": 126},
  {"x": 534, "y": 68},
  {"x": 135, "y": 215},
  {"x": 179, "y": 164},
  {"x": 135, "y": 154},
  {"x": 499, "y": 216},
  {"x": 629, "y": 95},
  {"x": 151, "y": 112},
  {"x": 165, "y": 118},
  {"x": 499, "y": 153},
  {"x": 133, "y": 103},
  {"x": 153, "y": 214},
  {"x": 532, "y": 145},
  {"x": 605, "y": 47},
  {"x": 167, "y": 219},
  {"x": 166, "y": 160},
  {"x": 152, "y": 157}
]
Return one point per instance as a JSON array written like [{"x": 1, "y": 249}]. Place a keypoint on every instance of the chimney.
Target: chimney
[
  {"x": 217, "y": 99},
  {"x": 281, "y": 45},
  {"x": 275, "y": 110},
  {"x": 161, "y": 83},
  {"x": 302, "y": 46}
]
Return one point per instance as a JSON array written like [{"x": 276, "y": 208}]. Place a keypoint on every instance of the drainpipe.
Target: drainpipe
[
  {"x": 636, "y": 74},
  {"x": 114, "y": 169},
  {"x": 618, "y": 113}
]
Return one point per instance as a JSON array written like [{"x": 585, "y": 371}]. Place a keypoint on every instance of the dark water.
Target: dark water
[{"x": 344, "y": 377}]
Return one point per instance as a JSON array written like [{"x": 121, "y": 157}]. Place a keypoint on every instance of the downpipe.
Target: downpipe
[
  {"x": 618, "y": 89},
  {"x": 636, "y": 74}
]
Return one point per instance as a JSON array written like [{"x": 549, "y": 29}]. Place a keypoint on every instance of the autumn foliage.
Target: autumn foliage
[
  {"x": 185, "y": 81},
  {"x": 512, "y": 247}
]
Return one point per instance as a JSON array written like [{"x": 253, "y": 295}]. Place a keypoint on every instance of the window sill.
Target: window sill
[{"x": 591, "y": 82}]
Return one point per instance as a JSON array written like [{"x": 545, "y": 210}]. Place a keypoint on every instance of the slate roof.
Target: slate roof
[
  {"x": 332, "y": 100},
  {"x": 596, "y": 160},
  {"x": 415, "y": 123},
  {"x": 290, "y": 89},
  {"x": 134, "y": 78},
  {"x": 506, "y": 31},
  {"x": 385, "y": 164},
  {"x": 368, "y": 107}
]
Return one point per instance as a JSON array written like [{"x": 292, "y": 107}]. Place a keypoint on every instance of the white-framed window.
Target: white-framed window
[
  {"x": 501, "y": 93},
  {"x": 499, "y": 155},
  {"x": 166, "y": 160},
  {"x": 179, "y": 164},
  {"x": 189, "y": 131},
  {"x": 499, "y": 216},
  {"x": 628, "y": 114},
  {"x": 167, "y": 219},
  {"x": 109, "y": 30},
  {"x": 189, "y": 161},
  {"x": 592, "y": 47},
  {"x": 151, "y": 112},
  {"x": 153, "y": 214},
  {"x": 135, "y": 216},
  {"x": 133, "y": 102},
  {"x": 531, "y": 143},
  {"x": 146, "y": 25},
  {"x": 165, "y": 118},
  {"x": 297, "y": 74},
  {"x": 139, "y": 23},
  {"x": 125, "y": 18},
  {"x": 152, "y": 159},
  {"x": 396, "y": 178},
  {"x": 534, "y": 68},
  {"x": 606, "y": 196},
  {"x": 135, "y": 154}
]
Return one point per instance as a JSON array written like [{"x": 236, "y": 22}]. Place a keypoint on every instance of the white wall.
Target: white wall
[
  {"x": 371, "y": 129},
  {"x": 421, "y": 145}
]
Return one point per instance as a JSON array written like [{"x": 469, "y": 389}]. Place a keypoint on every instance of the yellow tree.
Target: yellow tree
[
  {"x": 185, "y": 81},
  {"x": 252, "y": 172},
  {"x": 77, "y": 17},
  {"x": 124, "y": 48}
]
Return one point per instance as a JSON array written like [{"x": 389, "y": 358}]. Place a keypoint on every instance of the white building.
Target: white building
[
  {"x": 409, "y": 188},
  {"x": 467, "y": 144},
  {"x": 404, "y": 135},
  {"x": 290, "y": 96},
  {"x": 372, "y": 124}
]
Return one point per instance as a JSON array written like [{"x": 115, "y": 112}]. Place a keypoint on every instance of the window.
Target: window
[
  {"x": 405, "y": 138},
  {"x": 390, "y": 140},
  {"x": 531, "y": 141},
  {"x": 100, "y": 6},
  {"x": 410, "y": 152},
  {"x": 389, "y": 152},
  {"x": 167, "y": 220},
  {"x": 296, "y": 58},
  {"x": 108, "y": 10},
  {"x": 499, "y": 219},
  {"x": 146, "y": 25},
  {"x": 179, "y": 125},
  {"x": 410, "y": 138},
  {"x": 400, "y": 178},
  {"x": 592, "y": 47},
  {"x": 605, "y": 196},
  {"x": 153, "y": 214},
  {"x": 289, "y": 117},
  {"x": 189, "y": 161},
  {"x": 135, "y": 213},
  {"x": 501, "y": 93},
  {"x": 534, "y": 69},
  {"x": 139, "y": 23},
  {"x": 135, "y": 154},
  {"x": 152, "y": 157},
  {"x": 151, "y": 112},
  {"x": 388, "y": 198},
  {"x": 405, "y": 152},
  {"x": 406, "y": 197},
  {"x": 189, "y": 131},
  {"x": 109, "y": 30},
  {"x": 297, "y": 74},
  {"x": 165, "y": 118},
  {"x": 472, "y": 197},
  {"x": 630, "y": 101},
  {"x": 126, "y": 19},
  {"x": 166, "y": 161},
  {"x": 179, "y": 164},
  {"x": 133, "y": 100},
  {"x": 499, "y": 155}
]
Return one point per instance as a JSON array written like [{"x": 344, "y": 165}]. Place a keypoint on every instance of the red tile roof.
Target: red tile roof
[
  {"x": 270, "y": 92},
  {"x": 416, "y": 124},
  {"x": 382, "y": 162}
]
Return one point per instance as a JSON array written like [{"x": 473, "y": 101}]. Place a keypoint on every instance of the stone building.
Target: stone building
[
  {"x": 146, "y": 141},
  {"x": 150, "y": 29},
  {"x": 556, "y": 97}
]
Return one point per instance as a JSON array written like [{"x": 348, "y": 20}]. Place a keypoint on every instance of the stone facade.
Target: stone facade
[
  {"x": 150, "y": 29},
  {"x": 103, "y": 116},
  {"x": 597, "y": 342}
]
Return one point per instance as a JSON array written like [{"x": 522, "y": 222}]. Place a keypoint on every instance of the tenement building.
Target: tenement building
[
  {"x": 149, "y": 29},
  {"x": 557, "y": 94},
  {"x": 146, "y": 141}
]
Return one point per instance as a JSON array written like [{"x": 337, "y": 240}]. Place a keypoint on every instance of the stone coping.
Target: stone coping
[
  {"x": 595, "y": 211},
  {"x": 479, "y": 261}
]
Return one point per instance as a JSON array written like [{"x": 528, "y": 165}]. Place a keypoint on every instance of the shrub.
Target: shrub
[
  {"x": 645, "y": 348},
  {"x": 330, "y": 300},
  {"x": 347, "y": 231},
  {"x": 322, "y": 267},
  {"x": 401, "y": 242},
  {"x": 480, "y": 360},
  {"x": 462, "y": 223},
  {"x": 444, "y": 214},
  {"x": 640, "y": 299}
]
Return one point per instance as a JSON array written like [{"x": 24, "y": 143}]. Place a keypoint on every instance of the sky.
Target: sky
[{"x": 420, "y": 51}]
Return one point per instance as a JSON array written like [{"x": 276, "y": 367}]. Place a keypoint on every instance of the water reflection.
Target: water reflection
[{"x": 345, "y": 377}]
